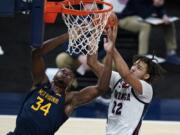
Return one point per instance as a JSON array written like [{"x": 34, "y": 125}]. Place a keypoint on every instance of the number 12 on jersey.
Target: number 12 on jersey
[
  {"x": 117, "y": 108},
  {"x": 39, "y": 106}
]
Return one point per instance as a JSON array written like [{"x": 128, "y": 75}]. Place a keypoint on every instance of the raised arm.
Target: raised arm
[
  {"x": 92, "y": 60},
  {"x": 74, "y": 99},
  {"x": 124, "y": 71},
  {"x": 95, "y": 65},
  {"x": 89, "y": 93},
  {"x": 52, "y": 43},
  {"x": 38, "y": 64}
]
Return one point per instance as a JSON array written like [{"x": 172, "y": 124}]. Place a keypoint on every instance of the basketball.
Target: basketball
[{"x": 112, "y": 20}]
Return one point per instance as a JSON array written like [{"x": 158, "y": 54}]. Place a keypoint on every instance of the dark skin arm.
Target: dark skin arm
[
  {"x": 74, "y": 99},
  {"x": 52, "y": 43},
  {"x": 38, "y": 64},
  {"x": 89, "y": 93},
  {"x": 95, "y": 65},
  {"x": 92, "y": 60}
]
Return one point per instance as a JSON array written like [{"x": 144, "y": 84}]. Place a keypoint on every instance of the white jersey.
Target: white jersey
[{"x": 126, "y": 108}]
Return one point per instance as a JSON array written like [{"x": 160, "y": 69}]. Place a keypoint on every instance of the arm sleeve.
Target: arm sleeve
[{"x": 147, "y": 94}]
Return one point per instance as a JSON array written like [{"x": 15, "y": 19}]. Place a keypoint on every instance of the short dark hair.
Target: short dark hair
[{"x": 153, "y": 68}]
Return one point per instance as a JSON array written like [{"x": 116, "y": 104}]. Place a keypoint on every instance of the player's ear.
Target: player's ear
[{"x": 146, "y": 76}]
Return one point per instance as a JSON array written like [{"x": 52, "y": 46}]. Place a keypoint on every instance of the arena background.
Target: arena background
[{"x": 15, "y": 66}]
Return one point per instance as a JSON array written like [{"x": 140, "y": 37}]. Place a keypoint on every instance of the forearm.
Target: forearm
[
  {"x": 95, "y": 65},
  {"x": 124, "y": 71},
  {"x": 52, "y": 43},
  {"x": 89, "y": 93},
  {"x": 83, "y": 96},
  {"x": 120, "y": 64},
  {"x": 104, "y": 79},
  {"x": 38, "y": 64}
]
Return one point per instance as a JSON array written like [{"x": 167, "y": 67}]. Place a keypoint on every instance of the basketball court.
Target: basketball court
[{"x": 84, "y": 126}]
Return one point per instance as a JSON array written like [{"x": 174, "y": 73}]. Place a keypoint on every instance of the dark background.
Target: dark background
[{"x": 15, "y": 64}]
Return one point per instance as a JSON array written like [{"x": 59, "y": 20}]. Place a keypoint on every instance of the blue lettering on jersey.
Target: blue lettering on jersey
[{"x": 121, "y": 95}]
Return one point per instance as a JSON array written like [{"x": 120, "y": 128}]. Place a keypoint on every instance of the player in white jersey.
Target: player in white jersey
[{"x": 131, "y": 89}]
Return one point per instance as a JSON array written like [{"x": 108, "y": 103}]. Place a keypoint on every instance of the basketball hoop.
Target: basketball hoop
[{"x": 85, "y": 22}]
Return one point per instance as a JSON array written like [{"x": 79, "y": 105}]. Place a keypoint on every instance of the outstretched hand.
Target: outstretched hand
[{"x": 109, "y": 43}]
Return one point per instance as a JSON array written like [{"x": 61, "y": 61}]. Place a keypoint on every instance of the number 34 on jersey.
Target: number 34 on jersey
[{"x": 41, "y": 106}]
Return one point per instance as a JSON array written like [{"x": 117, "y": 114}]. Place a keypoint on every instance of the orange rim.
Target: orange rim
[{"x": 61, "y": 7}]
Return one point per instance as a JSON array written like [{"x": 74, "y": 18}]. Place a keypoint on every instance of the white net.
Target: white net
[{"x": 85, "y": 31}]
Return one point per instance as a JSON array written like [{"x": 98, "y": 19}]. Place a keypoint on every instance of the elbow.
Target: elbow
[{"x": 102, "y": 89}]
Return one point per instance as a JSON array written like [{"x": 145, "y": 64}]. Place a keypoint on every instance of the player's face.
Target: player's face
[
  {"x": 139, "y": 70},
  {"x": 158, "y": 3},
  {"x": 63, "y": 77}
]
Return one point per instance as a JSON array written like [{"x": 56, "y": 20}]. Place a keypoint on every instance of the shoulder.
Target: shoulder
[
  {"x": 115, "y": 74},
  {"x": 115, "y": 78},
  {"x": 45, "y": 85},
  {"x": 146, "y": 85},
  {"x": 147, "y": 92}
]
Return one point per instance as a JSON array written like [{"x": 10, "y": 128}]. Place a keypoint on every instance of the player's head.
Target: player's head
[
  {"x": 145, "y": 68},
  {"x": 63, "y": 78},
  {"x": 158, "y": 3}
]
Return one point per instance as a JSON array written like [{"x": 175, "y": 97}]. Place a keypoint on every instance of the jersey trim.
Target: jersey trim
[
  {"x": 136, "y": 131},
  {"x": 117, "y": 83}
]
